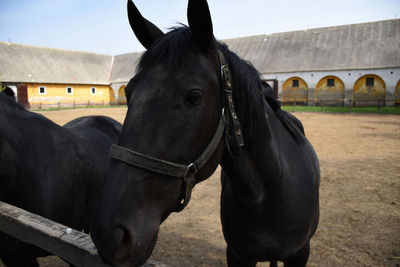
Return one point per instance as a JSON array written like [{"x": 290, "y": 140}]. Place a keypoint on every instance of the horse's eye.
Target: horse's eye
[{"x": 194, "y": 97}]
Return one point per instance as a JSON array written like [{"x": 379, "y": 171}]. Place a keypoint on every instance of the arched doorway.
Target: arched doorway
[
  {"x": 330, "y": 90},
  {"x": 112, "y": 96},
  {"x": 22, "y": 93},
  {"x": 121, "y": 95},
  {"x": 368, "y": 90},
  {"x": 397, "y": 94},
  {"x": 294, "y": 89}
]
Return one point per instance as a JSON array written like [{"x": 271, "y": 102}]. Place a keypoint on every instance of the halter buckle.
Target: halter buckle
[
  {"x": 226, "y": 77},
  {"x": 190, "y": 171},
  {"x": 188, "y": 184}
]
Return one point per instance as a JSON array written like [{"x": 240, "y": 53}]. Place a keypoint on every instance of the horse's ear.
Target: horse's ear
[
  {"x": 200, "y": 23},
  {"x": 145, "y": 31}
]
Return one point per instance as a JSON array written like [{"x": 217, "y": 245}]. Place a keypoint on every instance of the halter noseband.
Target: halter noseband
[{"x": 188, "y": 172}]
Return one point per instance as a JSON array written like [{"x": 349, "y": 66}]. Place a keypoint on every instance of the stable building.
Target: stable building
[
  {"x": 47, "y": 76},
  {"x": 344, "y": 65}
]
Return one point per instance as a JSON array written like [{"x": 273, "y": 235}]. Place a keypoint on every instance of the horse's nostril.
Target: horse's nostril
[
  {"x": 122, "y": 235},
  {"x": 124, "y": 240}
]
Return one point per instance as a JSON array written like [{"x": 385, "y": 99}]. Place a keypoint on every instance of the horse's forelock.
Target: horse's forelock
[{"x": 170, "y": 50}]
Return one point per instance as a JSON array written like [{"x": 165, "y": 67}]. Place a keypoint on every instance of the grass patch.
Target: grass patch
[
  {"x": 373, "y": 110},
  {"x": 370, "y": 110}
]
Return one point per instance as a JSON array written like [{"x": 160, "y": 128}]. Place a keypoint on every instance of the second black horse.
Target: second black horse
[{"x": 50, "y": 170}]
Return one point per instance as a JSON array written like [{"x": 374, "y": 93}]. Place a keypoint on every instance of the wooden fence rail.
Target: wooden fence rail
[{"x": 71, "y": 245}]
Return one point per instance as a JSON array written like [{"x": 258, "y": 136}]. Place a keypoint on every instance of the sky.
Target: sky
[{"x": 101, "y": 26}]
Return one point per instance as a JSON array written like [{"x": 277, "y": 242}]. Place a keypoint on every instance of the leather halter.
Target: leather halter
[{"x": 188, "y": 172}]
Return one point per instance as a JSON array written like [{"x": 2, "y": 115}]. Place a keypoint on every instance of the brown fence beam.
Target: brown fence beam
[{"x": 73, "y": 246}]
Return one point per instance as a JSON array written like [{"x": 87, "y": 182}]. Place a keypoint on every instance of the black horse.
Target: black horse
[
  {"x": 50, "y": 170},
  {"x": 192, "y": 105}
]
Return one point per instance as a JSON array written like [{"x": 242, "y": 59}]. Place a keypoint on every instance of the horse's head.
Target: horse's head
[{"x": 172, "y": 137}]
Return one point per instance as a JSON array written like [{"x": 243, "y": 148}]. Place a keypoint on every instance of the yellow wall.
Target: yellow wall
[
  {"x": 112, "y": 96},
  {"x": 330, "y": 93},
  {"x": 290, "y": 93},
  {"x": 121, "y": 95},
  {"x": 397, "y": 93},
  {"x": 364, "y": 92},
  {"x": 57, "y": 93}
]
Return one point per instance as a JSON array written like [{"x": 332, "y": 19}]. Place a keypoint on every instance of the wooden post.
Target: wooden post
[{"x": 73, "y": 246}]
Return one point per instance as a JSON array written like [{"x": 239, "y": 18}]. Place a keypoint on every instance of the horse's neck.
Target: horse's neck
[{"x": 256, "y": 167}]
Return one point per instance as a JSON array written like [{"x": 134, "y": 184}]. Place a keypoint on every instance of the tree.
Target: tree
[{"x": 2, "y": 87}]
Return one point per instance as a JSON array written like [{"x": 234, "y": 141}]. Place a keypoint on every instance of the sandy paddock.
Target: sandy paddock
[{"x": 359, "y": 196}]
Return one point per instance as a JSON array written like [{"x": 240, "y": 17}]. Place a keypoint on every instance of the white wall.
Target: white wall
[{"x": 349, "y": 77}]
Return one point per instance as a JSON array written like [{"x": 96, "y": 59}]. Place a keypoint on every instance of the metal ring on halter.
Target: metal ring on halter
[{"x": 191, "y": 170}]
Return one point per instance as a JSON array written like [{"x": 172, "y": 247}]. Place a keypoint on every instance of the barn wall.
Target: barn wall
[
  {"x": 292, "y": 93},
  {"x": 57, "y": 93},
  {"x": 121, "y": 95},
  {"x": 112, "y": 96},
  {"x": 397, "y": 93},
  {"x": 330, "y": 94},
  {"x": 364, "y": 92},
  {"x": 116, "y": 90},
  {"x": 348, "y": 77}
]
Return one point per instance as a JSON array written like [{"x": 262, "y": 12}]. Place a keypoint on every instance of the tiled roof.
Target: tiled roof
[
  {"x": 124, "y": 67},
  {"x": 24, "y": 63},
  {"x": 373, "y": 45},
  {"x": 360, "y": 46}
]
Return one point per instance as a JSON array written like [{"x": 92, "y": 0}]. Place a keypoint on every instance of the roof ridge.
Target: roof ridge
[
  {"x": 130, "y": 53},
  {"x": 52, "y": 48},
  {"x": 310, "y": 29}
]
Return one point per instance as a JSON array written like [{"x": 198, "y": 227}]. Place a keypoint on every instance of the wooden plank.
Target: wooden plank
[{"x": 71, "y": 245}]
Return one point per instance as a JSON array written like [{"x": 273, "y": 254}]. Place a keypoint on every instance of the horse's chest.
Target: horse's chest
[{"x": 257, "y": 233}]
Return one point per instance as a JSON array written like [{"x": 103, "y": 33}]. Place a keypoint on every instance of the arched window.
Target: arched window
[
  {"x": 397, "y": 94},
  {"x": 369, "y": 89},
  {"x": 294, "y": 89}
]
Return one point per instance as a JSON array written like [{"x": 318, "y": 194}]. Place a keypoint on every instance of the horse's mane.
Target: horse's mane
[{"x": 247, "y": 85}]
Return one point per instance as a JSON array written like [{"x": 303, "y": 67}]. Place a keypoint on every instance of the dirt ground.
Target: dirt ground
[{"x": 359, "y": 196}]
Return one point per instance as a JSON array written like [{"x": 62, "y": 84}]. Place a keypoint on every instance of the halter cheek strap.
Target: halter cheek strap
[{"x": 226, "y": 84}]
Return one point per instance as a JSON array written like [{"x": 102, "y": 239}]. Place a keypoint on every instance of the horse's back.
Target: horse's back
[
  {"x": 103, "y": 124},
  {"x": 95, "y": 134}
]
